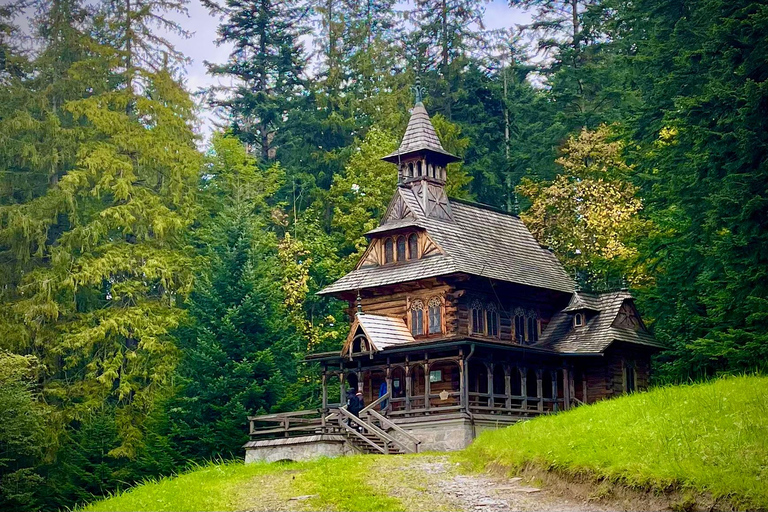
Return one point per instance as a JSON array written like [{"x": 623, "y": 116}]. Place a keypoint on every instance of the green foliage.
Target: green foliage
[
  {"x": 22, "y": 432},
  {"x": 709, "y": 438},
  {"x": 237, "y": 346}
]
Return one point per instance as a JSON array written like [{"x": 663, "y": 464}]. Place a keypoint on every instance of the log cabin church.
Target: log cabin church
[{"x": 460, "y": 321}]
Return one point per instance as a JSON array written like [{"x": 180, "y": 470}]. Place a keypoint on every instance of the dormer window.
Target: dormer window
[
  {"x": 578, "y": 320},
  {"x": 389, "y": 251},
  {"x": 401, "y": 248},
  {"x": 413, "y": 247}
]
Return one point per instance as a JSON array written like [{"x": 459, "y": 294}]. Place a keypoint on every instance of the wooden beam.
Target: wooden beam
[
  {"x": 507, "y": 386},
  {"x": 539, "y": 390}
]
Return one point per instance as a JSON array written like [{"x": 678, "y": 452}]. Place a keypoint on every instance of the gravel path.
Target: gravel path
[{"x": 485, "y": 493}]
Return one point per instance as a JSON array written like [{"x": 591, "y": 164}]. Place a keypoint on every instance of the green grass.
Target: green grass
[
  {"x": 710, "y": 438},
  {"x": 336, "y": 484},
  {"x": 705, "y": 438}
]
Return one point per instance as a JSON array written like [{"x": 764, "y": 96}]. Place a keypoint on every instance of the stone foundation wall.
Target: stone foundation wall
[
  {"x": 297, "y": 448},
  {"x": 439, "y": 435}
]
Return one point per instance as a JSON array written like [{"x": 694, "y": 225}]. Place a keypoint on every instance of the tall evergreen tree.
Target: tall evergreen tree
[{"x": 267, "y": 64}]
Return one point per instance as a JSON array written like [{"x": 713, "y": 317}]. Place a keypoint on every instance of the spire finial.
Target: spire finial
[
  {"x": 418, "y": 90},
  {"x": 359, "y": 303},
  {"x": 516, "y": 206}
]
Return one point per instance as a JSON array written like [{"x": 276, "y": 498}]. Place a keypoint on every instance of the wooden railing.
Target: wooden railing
[
  {"x": 387, "y": 423},
  {"x": 287, "y": 424}
]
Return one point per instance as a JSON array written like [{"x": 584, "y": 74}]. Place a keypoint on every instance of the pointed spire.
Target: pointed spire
[
  {"x": 418, "y": 91},
  {"x": 359, "y": 303}
]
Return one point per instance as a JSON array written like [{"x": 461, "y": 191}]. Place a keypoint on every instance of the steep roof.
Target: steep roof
[
  {"x": 420, "y": 135},
  {"x": 599, "y": 332},
  {"x": 478, "y": 240},
  {"x": 381, "y": 331}
]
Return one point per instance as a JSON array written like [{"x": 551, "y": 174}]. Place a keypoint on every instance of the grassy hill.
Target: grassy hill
[
  {"x": 710, "y": 438},
  {"x": 705, "y": 438}
]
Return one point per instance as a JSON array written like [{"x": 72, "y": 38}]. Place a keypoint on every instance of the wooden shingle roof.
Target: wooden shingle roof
[
  {"x": 380, "y": 331},
  {"x": 420, "y": 135},
  {"x": 599, "y": 332},
  {"x": 478, "y": 241}
]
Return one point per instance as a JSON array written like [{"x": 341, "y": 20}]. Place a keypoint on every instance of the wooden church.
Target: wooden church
[{"x": 461, "y": 321}]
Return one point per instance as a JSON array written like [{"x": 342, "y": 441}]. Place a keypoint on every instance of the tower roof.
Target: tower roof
[{"x": 420, "y": 136}]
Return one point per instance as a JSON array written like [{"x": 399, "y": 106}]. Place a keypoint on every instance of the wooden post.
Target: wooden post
[
  {"x": 553, "y": 374},
  {"x": 462, "y": 388},
  {"x": 566, "y": 389},
  {"x": 571, "y": 386},
  {"x": 489, "y": 367},
  {"x": 540, "y": 390},
  {"x": 584, "y": 386},
  {"x": 426, "y": 385},
  {"x": 407, "y": 385},
  {"x": 325, "y": 390},
  {"x": 524, "y": 386},
  {"x": 342, "y": 390},
  {"x": 388, "y": 408},
  {"x": 507, "y": 387},
  {"x": 359, "y": 374}
]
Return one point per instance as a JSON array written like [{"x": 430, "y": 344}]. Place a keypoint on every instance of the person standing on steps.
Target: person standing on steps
[{"x": 354, "y": 401}]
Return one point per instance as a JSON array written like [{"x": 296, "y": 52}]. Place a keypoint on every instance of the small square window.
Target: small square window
[{"x": 435, "y": 376}]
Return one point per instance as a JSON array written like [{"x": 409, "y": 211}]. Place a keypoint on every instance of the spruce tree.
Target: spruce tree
[{"x": 267, "y": 65}]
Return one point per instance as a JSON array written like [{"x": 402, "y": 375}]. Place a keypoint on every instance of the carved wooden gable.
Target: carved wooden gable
[
  {"x": 628, "y": 318},
  {"x": 398, "y": 209},
  {"x": 433, "y": 199}
]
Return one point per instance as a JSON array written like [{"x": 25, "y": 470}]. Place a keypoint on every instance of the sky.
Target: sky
[{"x": 201, "y": 46}]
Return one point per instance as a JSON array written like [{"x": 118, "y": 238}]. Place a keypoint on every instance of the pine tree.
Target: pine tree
[
  {"x": 103, "y": 247},
  {"x": 237, "y": 346},
  {"x": 267, "y": 63},
  {"x": 445, "y": 32}
]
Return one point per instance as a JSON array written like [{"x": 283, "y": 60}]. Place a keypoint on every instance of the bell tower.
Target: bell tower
[{"x": 421, "y": 160}]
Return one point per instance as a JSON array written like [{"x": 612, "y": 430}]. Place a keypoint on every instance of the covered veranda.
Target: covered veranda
[{"x": 470, "y": 378}]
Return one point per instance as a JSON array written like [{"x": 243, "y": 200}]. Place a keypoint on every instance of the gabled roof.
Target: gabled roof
[
  {"x": 381, "y": 331},
  {"x": 599, "y": 332},
  {"x": 420, "y": 135},
  {"x": 478, "y": 240},
  {"x": 583, "y": 301}
]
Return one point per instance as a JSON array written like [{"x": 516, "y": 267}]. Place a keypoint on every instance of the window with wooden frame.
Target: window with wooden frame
[
  {"x": 477, "y": 317},
  {"x": 435, "y": 315},
  {"x": 417, "y": 318},
  {"x": 532, "y": 331},
  {"x": 413, "y": 246},
  {"x": 389, "y": 251},
  {"x": 578, "y": 319},
  {"x": 630, "y": 377},
  {"x": 401, "y": 248},
  {"x": 492, "y": 320},
  {"x": 519, "y": 323}
]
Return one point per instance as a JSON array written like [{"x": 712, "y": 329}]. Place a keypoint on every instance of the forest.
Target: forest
[{"x": 157, "y": 286}]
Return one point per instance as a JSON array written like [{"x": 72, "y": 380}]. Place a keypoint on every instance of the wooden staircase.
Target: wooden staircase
[{"x": 372, "y": 433}]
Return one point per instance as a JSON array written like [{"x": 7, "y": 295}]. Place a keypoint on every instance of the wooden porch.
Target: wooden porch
[{"x": 459, "y": 382}]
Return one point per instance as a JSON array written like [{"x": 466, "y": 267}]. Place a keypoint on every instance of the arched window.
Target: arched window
[
  {"x": 519, "y": 325},
  {"x": 435, "y": 316},
  {"x": 389, "y": 251},
  {"x": 533, "y": 327},
  {"x": 417, "y": 317},
  {"x": 418, "y": 168},
  {"x": 359, "y": 344},
  {"x": 478, "y": 324},
  {"x": 578, "y": 320},
  {"x": 410, "y": 170},
  {"x": 413, "y": 246},
  {"x": 401, "y": 248},
  {"x": 492, "y": 320}
]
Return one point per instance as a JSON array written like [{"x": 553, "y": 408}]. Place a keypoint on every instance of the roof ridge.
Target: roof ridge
[{"x": 483, "y": 206}]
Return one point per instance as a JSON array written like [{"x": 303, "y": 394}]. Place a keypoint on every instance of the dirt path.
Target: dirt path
[
  {"x": 420, "y": 483},
  {"x": 445, "y": 488}
]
